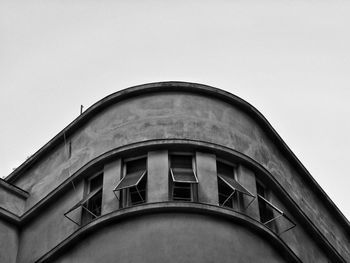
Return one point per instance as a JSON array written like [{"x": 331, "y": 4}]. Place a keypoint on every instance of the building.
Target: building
[{"x": 168, "y": 172}]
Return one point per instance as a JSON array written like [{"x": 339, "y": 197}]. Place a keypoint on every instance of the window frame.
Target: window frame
[
  {"x": 271, "y": 223},
  {"x": 236, "y": 197},
  {"x": 88, "y": 191},
  {"x": 235, "y": 201},
  {"x": 263, "y": 202},
  {"x": 173, "y": 183},
  {"x": 84, "y": 202},
  {"x": 125, "y": 199}
]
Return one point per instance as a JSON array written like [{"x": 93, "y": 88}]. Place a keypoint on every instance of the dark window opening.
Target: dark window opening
[
  {"x": 181, "y": 161},
  {"x": 270, "y": 215},
  {"x": 182, "y": 192},
  {"x": 225, "y": 194},
  {"x": 95, "y": 183},
  {"x": 225, "y": 169},
  {"x": 265, "y": 211},
  {"x": 137, "y": 194},
  {"x": 228, "y": 196},
  {"x": 94, "y": 204},
  {"x": 136, "y": 165}
]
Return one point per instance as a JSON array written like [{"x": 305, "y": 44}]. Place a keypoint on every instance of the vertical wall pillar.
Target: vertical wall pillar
[
  {"x": 157, "y": 176},
  {"x": 246, "y": 177},
  {"x": 208, "y": 182},
  {"x": 111, "y": 176}
]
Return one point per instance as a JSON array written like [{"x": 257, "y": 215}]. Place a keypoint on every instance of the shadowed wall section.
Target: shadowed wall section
[{"x": 172, "y": 237}]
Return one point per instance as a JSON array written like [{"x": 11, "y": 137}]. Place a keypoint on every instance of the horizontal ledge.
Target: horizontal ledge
[
  {"x": 9, "y": 216},
  {"x": 14, "y": 189},
  {"x": 168, "y": 207}
]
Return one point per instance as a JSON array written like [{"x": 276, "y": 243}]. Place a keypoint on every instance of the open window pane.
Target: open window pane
[
  {"x": 265, "y": 211},
  {"x": 133, "y": 185},
  {"x": 91, "y": 204},
  {"x": 225, "y": 194},
  {"x": 276, "y": 220},
  {"x": 183, "y": 175},
  {"x": 234, "y": 184},
  {"x": 137, "y": 193},
  {"x": 83, "y": 201},
  {"x": 231, "y": 193},
  {"x": 94, "y": 204},
  {"x": 130, "y": 180},
  {"x": 92, "y": 208}
]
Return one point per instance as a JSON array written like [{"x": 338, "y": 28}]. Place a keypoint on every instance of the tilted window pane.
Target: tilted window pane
[
  {"x": 130, "y": 180},
  {"x": 183, "y": 175},
  {"x": 234, "y": 184},
  {"x": 225, "y": 191}
]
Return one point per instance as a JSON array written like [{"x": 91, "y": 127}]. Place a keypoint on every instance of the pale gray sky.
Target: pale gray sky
[{"x": 289, "y": 59}]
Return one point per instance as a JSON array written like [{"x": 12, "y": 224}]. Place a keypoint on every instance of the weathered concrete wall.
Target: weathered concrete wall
[
  {"x": 157, "y": 177},
  {"x": 111, "y": 176},
  {"x": 173, "y": 238},
  {"x": 47, "y": 175},
  {"x": 183, "y": 116},
  {"x": 11, "y": 202},
  {"x": 50, "y": 227},
  {"x": 8, "y": 242},
  {"x": 208, "y": 182}
]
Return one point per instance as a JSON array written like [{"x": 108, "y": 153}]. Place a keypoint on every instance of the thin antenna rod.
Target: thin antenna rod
[{"x": 81, "y": 109}]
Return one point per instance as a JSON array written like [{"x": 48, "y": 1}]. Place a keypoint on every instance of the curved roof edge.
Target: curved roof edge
[{"x": 187, "y": 87}]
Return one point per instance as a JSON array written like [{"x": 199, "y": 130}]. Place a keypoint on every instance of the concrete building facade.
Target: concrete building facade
[{"x": 168, "y": 172}]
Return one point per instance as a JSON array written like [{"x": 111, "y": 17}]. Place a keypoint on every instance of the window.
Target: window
[
  {"x": 231, "y": 193},
  {"x": 270, "y": 215},
  {"x": 227, "y": 196},
  {"x": 132, "y": 187},
  {"x": 91, "y": 204},
  {"x": 265, "y": 209},
  {"x": 183, "y": 186}
]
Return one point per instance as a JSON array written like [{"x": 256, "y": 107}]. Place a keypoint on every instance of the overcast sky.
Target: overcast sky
[{"x": 289, "y": 59}]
